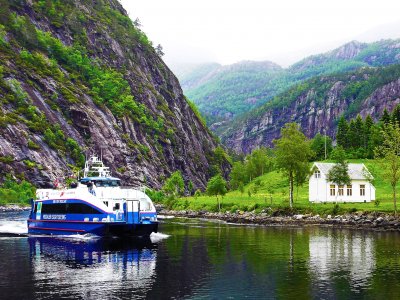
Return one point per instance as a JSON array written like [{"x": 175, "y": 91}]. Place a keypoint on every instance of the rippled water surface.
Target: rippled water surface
[{"x": 196, "y": 259}]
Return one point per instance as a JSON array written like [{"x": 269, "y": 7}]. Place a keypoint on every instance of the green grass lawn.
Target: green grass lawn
[{"x": 274, "y": 192}]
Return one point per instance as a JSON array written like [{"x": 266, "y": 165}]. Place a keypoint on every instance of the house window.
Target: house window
[
  {"x": 362, "y": 189},
  {"x": 317, "y": 174},
  {"x": 332, "y": 189},
  {"x": 340, "y": 190},
  {"x": 349, "y": 190}
]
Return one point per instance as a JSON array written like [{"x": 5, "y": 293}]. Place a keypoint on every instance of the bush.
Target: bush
[
  {"x": 13, "y": 192},
  {"x": 234, "y": 209},
  {"x": 156, "y": 196},
  {"x": 335, "y": 209},
  {"x": 32, "y": 145}
]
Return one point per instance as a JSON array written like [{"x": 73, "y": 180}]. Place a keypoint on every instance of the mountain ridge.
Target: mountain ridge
[
  {"x": 316, "y": 105},
  {"x": 218, "y": 105}
]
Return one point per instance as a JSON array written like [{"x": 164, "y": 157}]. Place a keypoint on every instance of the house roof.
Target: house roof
[{"x": 356, "y": 171}]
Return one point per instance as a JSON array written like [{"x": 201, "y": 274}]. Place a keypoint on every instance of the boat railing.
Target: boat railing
[{"x": 141, "y": 188}]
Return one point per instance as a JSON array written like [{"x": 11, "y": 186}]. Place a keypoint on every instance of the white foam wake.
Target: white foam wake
[
  {"x": 162, "y": 217},
  {"x": 157, "y": 237},
  {"x": 13, "y": 227},
  {"x": 79, "y": 237}
]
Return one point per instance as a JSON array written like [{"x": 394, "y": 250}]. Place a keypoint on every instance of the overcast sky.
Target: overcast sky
[{"x": 283, "y": 31}]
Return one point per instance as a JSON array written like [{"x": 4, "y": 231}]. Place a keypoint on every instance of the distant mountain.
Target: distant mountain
[
  {"x": 316, "y": 104},
  {"x": 221, "y": 92},
  {"x": 195, "y": 75},
  {"x": 224, "y": 92}
]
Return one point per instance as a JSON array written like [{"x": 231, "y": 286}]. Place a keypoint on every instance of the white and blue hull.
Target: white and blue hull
[{"x": 76, "y": 216}]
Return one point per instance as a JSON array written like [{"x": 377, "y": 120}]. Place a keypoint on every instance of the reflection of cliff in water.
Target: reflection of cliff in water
[
  {"x": 96, "y": 269},
  {"x": 181, "y": 268},
  {"x": 342, "y": 253}
]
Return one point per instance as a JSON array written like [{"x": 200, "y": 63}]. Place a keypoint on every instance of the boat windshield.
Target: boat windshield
[{"x": 106, "y": 183}]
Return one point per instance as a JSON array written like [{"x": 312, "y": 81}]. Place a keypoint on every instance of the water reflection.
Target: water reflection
[
  {"x": 94, "y": 268},
  {"x": 205, "y": 260},
  {"x": 343, "y": 258}
]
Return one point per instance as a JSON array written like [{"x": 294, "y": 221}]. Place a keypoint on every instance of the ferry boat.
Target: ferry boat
[{"x": 96, "y": 204}]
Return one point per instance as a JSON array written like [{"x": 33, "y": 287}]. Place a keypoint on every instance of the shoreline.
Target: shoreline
[
  {"x": 362, "y": 220},
  {"x": 13, "y": 208}
]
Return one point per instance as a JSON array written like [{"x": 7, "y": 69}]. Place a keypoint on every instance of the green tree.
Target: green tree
[
  {"x": 352, "y": 135},
  {"x": 262, "y": 161},
  {"x": 359, "y": 131},
  {"x": 369, "y": 122},
  {"x": 292, "y": 153},
  {"x": 318, "y": 144},
  {"x": 389, "y": 150},
  {"x": 219, "y": 159},
  {"x": 217, "y": 186},
  {"x": 396, "y": 114},
  {"x": 375, "y": 139},
  {"x": 238, "y": 175},
  {"x": 4, "y": 11},
  {"x": 342, "y": 133},
  {"x": 385, "y": 119},
  {"x": 339, "y": 173},
  {"x": 190, "y": 187},
  {"x": 241, "y": 188},
  {"x": 174, "y": 186}
]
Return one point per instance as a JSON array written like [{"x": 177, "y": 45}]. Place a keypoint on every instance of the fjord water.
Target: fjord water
[{"x": 198, "y": 259}]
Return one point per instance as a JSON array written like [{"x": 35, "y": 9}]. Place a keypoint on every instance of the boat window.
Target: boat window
[
  {"x": 145, "y": 205},
  {"x": 116, "y": 206},
  {"x": 107, "y": 183},
  {"x": 105, "y": 203},
  {"x": 69, "y": 208}
]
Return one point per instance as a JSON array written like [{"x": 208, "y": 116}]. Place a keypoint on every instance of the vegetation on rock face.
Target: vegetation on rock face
[
  {"x": 74, "y": 73},
  {"x": 337, "y": 94}
]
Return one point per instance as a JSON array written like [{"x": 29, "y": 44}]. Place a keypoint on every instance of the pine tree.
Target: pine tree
[
  {"x": 385, "y": 119},
  {"x": 321, "y": 144},
  {"x": 352, "y": 135},
  {"x": 360, "y": 132},
  {"x": 396, "y": 114},
  {"x": 342, "y": 133},
  {"x": 369, "y": 122}
]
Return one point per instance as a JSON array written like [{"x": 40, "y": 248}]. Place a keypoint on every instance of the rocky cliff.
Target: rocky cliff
[
  {"x": 316, "y": 105},
  {"x": 79, "y": 76}
]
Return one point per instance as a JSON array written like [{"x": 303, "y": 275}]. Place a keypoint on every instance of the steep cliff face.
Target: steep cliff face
[
  {"x": 317, "y": 105},
  {"x": 78, "y": 75}
]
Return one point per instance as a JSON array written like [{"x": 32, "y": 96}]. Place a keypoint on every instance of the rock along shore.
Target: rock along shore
[
  {"x": 358, "y": 220},
  {"x": 13, "y": 208}
]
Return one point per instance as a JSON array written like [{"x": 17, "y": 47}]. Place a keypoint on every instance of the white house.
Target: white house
[{"x": 360, "y": 190}]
